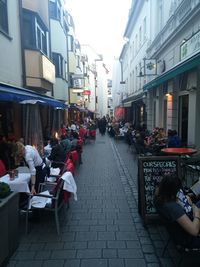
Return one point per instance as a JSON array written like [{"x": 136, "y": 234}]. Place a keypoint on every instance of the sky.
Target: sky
[{"x": 101, "y": 24}]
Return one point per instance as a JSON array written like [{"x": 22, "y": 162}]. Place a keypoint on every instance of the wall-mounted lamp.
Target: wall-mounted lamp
[
  {"x": 168, "y": 94},
  {"x": 183, "y": 41}
]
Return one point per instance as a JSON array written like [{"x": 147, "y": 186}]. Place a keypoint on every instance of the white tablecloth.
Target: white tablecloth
[{"x": 19, "y": 184}]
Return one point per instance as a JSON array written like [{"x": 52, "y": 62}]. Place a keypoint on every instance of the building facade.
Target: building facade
[{"x": 163, "y": 68}]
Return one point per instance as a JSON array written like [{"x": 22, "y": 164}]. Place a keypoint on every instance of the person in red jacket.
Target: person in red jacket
[{"x": 2, "y": 168}]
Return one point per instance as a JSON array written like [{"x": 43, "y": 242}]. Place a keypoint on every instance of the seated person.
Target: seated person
[
  {"x": 186, "y": 229},
  {"x": 57, "y": 154},
  {"x": 173, "y": 139},
  {"x": 65, "y": 143}
]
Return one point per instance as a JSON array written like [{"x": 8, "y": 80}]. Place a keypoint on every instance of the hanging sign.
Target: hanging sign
[
  {"x": 86, "y": 92},
  {"x": 150, "y": 66},
  {"x": 190, "y": 46}
]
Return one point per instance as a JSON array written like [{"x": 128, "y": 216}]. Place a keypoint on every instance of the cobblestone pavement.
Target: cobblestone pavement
[{"x": 103, "y": 228}]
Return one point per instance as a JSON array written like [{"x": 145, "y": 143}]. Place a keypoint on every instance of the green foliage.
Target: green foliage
[{"x": 4, "y": 190}]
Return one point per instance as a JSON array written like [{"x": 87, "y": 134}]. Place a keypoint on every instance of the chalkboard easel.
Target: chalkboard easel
[{"x": 150, "y": 173}]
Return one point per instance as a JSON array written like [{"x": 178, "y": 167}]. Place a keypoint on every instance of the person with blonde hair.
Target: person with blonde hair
[{"x": 34, "y": 162}]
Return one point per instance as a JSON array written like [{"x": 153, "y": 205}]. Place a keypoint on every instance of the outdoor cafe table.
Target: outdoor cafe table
[
  {"x": 19, "y": 184},
  {"x": 179, "y": 151}
]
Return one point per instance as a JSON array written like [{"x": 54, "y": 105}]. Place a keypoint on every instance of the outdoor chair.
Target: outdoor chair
[
  {"x": 55, "y": 203},
  {"x": 191, "y": 170},
  {"x": 173, "y": 230}
]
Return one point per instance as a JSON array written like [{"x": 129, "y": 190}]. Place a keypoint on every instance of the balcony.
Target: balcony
[{"x": 40, "y": 72}]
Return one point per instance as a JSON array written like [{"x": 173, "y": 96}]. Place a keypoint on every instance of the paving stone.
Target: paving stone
[
  {"x": 133, "y": 244},
  {"x": 24, "y": 255},
  {"x": 96, "y": 244},
  {"x": 63, "y": 254},
  {"x": 43, "y": 254},
  {"x": 89, "y": 253},
  {"x": 36, "y": 246},
  {"x": 130, "y": 253},
  {"x": 116, "y": 244},
  {"x": 86, "y": 236},
  {"x": 135, "y": 262},
  {"x": 54, "y": 245},
  {"x": 75, "y": 245},
  {"x": 106, "y": 236},
  {"x": 12, "y": 263},
  {"x": 148, "y": 249},
  {"x": 68, "y": 236},
  {"x": 72, "y": 263},
  {"x": 151, "y": 257},
  {"x": 109, "y": 253},
  {"x": 126, "y": 236},
  {"x": 24, "y": 246},
  {"x": 52, "y": 263},
  {"x": 36, "y": 263},
  {"x": 97, "y": 228},
  {"x": 94, "y": 263},
  {"x": 112, "y": 228},
  {"x": 116, "y": 263}
]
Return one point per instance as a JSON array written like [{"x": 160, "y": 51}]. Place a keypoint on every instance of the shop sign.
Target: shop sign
[
  {"x": 150, "y": 67},
  {"x": 190, "y": 46},
  {"x": 86, "y": 92}
]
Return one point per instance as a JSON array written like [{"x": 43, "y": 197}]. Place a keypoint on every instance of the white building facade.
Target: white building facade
[{"x": 161, "y": 66}]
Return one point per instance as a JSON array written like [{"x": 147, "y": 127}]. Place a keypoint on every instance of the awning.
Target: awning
[
  {"x": 184, "y": 66},
  {"x": 133, "y": 98},
  {"x": 127, "y": 104},
  {"x": 25, "y": 96}
]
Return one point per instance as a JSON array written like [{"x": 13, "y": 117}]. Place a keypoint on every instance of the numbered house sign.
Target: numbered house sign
[{"x": 150, "y": 173}]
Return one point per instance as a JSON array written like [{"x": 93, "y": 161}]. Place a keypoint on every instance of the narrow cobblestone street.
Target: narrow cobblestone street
[{"x": 103, "y": 228}]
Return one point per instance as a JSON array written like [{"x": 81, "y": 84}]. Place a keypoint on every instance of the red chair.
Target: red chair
[
  {"x": 2, "y": 168},
  {"x": 73, "y": 155},
  {"x": 70, "y": 166}
]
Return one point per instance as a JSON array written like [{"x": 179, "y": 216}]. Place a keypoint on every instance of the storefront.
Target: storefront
[
  {"x": 24, "y": 113},
  {"x": 172, "y": 100},
  {"x": 135, "y": 109}
]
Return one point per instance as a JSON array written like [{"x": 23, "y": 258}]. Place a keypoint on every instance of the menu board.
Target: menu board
[{"x": 150, "y": 173}]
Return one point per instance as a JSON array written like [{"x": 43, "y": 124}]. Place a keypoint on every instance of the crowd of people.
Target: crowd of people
[{"x": 66, "y": 145}]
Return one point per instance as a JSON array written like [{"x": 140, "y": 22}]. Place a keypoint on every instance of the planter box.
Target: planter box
[{"x": 9, "y": 226}]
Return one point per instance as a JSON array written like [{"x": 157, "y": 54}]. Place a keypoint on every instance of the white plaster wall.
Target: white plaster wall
[
  {"x": 116, "y": 86},
  {"x": 58, "y": 39},
  {"x": 10, "y": 49},
  {"x": 59, "y": 45},
  {"x": 61, "y": 89}
]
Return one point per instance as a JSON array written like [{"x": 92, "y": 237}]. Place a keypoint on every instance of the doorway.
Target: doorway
[{"x": 183, "y": 118}]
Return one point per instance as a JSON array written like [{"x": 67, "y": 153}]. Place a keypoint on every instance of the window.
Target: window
[
  {"x": 136, "y": 43},
  {"x": 133, "y": 54},
  {"x": 140, "y": 37},
  {"x": 144, "y": 29},
  {"x": 160, "y": 14},
  {"x": 41, "y": 42},
  {"x": 55, "y": 9},
  {"x": 28, "y": 33},
  {"x": 60, "y": 65},
  {"x": 78, "y": 61},
  {"x": 35, "y": 35},
  {"x": 70, "y": 43},
  {"x": 3, "y": 16}
]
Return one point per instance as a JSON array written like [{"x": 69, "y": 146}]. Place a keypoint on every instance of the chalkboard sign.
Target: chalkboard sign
[{"x": 150, "y": 173}]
